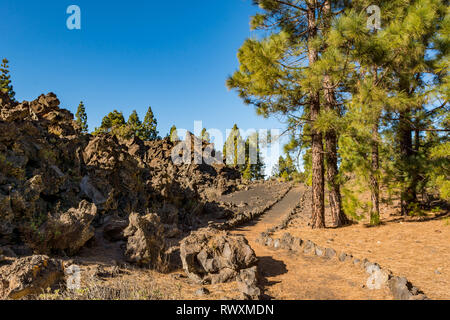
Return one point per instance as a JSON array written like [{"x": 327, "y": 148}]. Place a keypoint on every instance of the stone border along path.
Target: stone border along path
[{"x": 400, "y": 287}]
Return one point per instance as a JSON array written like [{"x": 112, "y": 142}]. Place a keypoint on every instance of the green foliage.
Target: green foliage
[
  {"x": 113, "y": 123},
  {"x": 233, "y": 149},
  {"x": 173, "y": 134},
  {"x": 133, "y": 126},
  {"x": 5, "y": 80},
  {"x": 148, "y": 129},
  {"x": 287, "y": 170},
  {"x": 204, "y": 136},
  {"x": 352, "y": 205},
  {"x": 81, "y": 118},
  {"x": 253, "y": 168}
]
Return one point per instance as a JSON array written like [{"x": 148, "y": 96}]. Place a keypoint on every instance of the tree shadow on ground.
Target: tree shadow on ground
[{"x": 269, "y": 267}]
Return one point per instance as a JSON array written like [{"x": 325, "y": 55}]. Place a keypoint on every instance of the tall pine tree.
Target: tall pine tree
[
  {"x": 149, "y": 125},
  {"x": 81, "y": 118},
  {"x": 5, "y": 80}
]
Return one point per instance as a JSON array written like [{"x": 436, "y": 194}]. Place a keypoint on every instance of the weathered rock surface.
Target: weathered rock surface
[
  {"x": 29, "y": 276},
  {"x": 145, "y": 239},
  {"x": 402, "y": 289},
  {"x": 248, "y": 283},
  {"x": 114, "y": 227},
  {"x": 48, "y": 167},
  {"x": 212, "y": 256},
  {"x": 68, "y": 232}
]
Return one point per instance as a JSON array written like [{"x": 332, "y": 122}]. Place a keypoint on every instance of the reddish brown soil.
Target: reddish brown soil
[{"x": 289, "y": 276}]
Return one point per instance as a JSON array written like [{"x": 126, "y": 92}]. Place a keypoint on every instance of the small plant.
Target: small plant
[{"x": 447, "y": 221}]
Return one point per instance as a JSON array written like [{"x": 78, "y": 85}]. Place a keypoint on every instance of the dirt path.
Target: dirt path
[{"x": 289, "y": 276}]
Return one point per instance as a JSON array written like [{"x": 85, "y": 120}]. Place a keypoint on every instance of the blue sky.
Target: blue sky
[{"x": 174, "y": 56}]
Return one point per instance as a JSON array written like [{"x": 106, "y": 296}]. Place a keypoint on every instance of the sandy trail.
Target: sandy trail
[{"x": 296, "y": 276}]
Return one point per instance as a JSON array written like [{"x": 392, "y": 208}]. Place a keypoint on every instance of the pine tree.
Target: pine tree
[
  {"x": 5, "y": 80},
  {"x": 387, "y": 80},
  {"x": 173, "y": 135},
  {"x": 148, "y": 131},
  {"x": 234, "y": 149},
  {"x": 254, "y": 164},
  {"x": 273, "y": 77},
  {"x": 205, "y": 136},
  {"x": 113, "y": 123},
  {"x": 134, "y": 125},
  {"x": 81, "y": 118}
]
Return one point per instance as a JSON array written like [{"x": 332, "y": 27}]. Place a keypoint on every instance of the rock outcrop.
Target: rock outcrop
[
  {"x": 212, "y": 256},
  {"x": 145, "y": 242},
  {"x": 48, "y": 169},
  {"x": 29, "y": 276},
  {"x": 68, "y": 232}
]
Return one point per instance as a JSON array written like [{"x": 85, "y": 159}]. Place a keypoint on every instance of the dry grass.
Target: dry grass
[{"x": 137, "y": 284}]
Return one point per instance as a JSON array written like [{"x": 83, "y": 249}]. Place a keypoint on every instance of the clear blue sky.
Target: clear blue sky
[{"x": 173, "y": 55}]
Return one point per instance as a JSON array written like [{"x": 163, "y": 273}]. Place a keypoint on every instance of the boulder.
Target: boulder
[
  {"x": 402, "y": 289},
  {"x": 145, "y": 241},
  {"x": 29, "y": 276},
  {"x": 214, "y": 256},
  {"x": 114, "y": 227},
  {"x": 247, "y": 281},
  {"x": 378, "y": 278},
  {"x": 69, "y": 232}
]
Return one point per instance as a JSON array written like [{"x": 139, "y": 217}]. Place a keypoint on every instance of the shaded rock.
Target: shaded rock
[
  {"x": 68, "y": 232},
  {"x": 114, "y": 227},
  {"x": 210, "y": 255},
  {"x": 29, "y": 276},
  {"x": 247, "y": 281},
  {"x": 91, "y": 192},
  {"x": 145, "y": 242},
  {"x": 402, "y": 289}
]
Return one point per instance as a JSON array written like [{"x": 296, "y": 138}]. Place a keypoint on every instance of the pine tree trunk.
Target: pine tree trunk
[
  {"x": 338, "y": 216},
  {"x": 374, "y": 185},
  {"x": 318, "y": 183},
  {"x": 408, "y": 192}
]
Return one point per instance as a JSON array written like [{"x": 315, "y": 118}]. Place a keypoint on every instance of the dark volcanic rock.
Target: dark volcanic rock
[
  {"x": 145, "y": 240},
  {"x": 48, "y": 167},
  {"x": 29, "y": 276},
  {"x": 214, "y": 256},
  {"x": 68, "y": 232}
]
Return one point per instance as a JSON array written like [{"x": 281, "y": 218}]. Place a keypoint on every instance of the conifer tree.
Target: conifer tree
[
  {"x": 234, "y": 149},
  {"x": 148, "y": 129},
  {"x": 276, "y": 76},
  {"x": 173, "y": 135},
  {"x": 205, "y": 136},
  {"x": 81, "y": 118},
  {"x": 113, "y": 123},
  {"x": 254, "y": 164},
  {"x": 134, "y": 125},
  {"x": 5, "y": 80}
]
